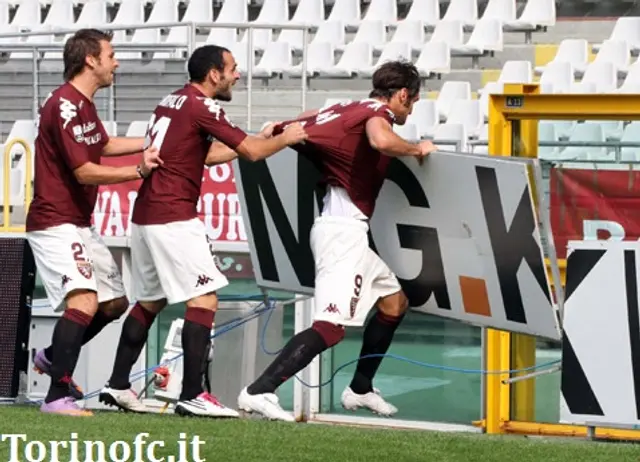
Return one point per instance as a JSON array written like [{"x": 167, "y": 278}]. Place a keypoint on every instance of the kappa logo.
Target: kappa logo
[
  {"x": 332, "y": 308},
  {"x": 65, "y": 280},
  {"x": 216, "y": 109},
  {"x": 68, "y": 112},
  {"x": 203, "y": 280}
]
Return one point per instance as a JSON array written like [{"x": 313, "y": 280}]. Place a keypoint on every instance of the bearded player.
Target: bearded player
[
  {"x": 77, "y": 269},
  {"x": 352, "y": 144},
  {"x": 172, "y": 258}
]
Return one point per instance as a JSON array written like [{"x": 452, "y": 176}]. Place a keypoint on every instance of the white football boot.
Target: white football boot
[
  {"x": 373, "y": 401},
  {"x": 266, "y": 404},
  {"x": 204, "y": 405},
  {"x": 126, "y": 400}
]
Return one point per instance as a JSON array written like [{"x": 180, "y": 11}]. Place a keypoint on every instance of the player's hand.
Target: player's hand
[
  {"x": 426, "y": 148},
  {"x": 150, "y": 160},
  {"x": 267, "y": 129},
  {"x": 294, "y": 133}
]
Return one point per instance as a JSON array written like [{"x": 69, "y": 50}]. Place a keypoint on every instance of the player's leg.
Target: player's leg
[
  {"x": 135, "y": 328},
  {"x": 67, "y": 273},
  {"x": 185, "y": 261},
  {"x": 338, "y": 251},
  {"x": 112, "y": 300},
  {"x": 379, "y": 284}
]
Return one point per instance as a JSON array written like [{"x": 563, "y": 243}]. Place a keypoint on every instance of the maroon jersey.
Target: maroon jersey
[
  {"x": 337, "y": 142},
  {"x": 182, "y": 127},
  {"x": 70, "y": 134}
]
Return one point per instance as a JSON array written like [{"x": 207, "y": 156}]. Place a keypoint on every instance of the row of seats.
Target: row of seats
[{"x": 537, "y": 13}]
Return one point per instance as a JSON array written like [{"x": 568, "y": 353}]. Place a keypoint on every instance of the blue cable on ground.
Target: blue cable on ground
[{"x": 260, "y": 309}]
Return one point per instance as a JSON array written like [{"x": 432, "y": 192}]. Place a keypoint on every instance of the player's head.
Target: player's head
[
  {"x": 215, "y": 69},
  {"x": 398, "y": 84},
  {"x": 90, "y": 51}
]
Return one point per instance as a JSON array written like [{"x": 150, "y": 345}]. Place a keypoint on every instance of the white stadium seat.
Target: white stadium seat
[
  {"x": 503, "y": 10},
  {"x": 616, "y": 52},
  {"x": 425, "y": 11},
  {"x": 382, "y": 10},
  {"x": 451, "y": 91},
  {"x": 467, "y": 113},
  {"x": 233, "y": 11},
  {"x": 275, "y": 60},
  {"x": 630, "y": 134},
  {"x": 626, "y": 29},
  {"x": 536, "y": 13},
  {"x": 372, "y": 32},
  {"x": 411, "y": 32},
  {"x": 574, "y": 51},
  {"x": 331, "y": 32},
  {"x": 357, "y": 58},
  {"x": 425, "y": 117},
  {"x": 465, "y": 11},
  {"x": 391, "y": 52},
  {"x": 347, "y": 12},
  {"x": 446, "y": 136},
  {"x": 435, "y": 58},
  {"x": 320, "y": 59},
  {"x": 516, "y": 72},
  {"x": 408, "y": 131}
]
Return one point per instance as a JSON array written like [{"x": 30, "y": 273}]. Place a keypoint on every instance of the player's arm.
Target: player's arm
[
  {"x": 213, "y": 120},
  {"x": 220, "y": 153},
  {"x": 382, "y": 138},
  {"x": 97, "y": 174},
  {"x": 121, "y": 146}
]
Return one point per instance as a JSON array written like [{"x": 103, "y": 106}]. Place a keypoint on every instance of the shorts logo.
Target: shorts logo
[
  {"x": 203, "y": 280},
  {"x": 332, "y": 308},
  {"x": 84, "y": 265},
  {"x": 357, "y": 282},
  {"x": 65, "y": 280}
]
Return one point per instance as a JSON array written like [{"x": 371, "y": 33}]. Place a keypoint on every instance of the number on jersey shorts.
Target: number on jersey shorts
[
  {"x": 350, "y": 277},
  {"x": 71, "y": 258},
  {"x": 174, "y": 261}
]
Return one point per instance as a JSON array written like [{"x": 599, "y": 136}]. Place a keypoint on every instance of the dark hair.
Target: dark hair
[
  {"x": 85, "y": 42},
  {"x": 393, "y": 76},
  {"x": 203, "y": 60}
]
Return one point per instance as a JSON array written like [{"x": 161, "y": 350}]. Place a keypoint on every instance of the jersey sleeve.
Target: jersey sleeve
[
  {"x": 69, "y": 132},
  {"x": 212, "y": 119}
]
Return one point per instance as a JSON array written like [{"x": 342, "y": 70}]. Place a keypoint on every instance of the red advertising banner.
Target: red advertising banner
[
  {"x": 594, "y": 205},
  {"x": 219, "y": 205}
]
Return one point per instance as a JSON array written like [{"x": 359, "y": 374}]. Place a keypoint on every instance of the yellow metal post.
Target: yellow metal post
[
  {"x": 524, "y": 103},
  {"x": 6, "y": 184}
]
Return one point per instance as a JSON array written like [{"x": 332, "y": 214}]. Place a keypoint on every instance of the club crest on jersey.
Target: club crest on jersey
[
  {"x": 85, "y": 268},
  {"x": 78, "y": 133}
]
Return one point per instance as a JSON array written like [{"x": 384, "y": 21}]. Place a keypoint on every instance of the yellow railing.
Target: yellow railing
[{"x": 6, "y": 184}]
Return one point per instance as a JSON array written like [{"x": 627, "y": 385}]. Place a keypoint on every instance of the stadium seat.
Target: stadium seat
[
  {"x": 487, "y": 36},
  {"x": 411, "y": 32},
  {"x": 198, "y": 11},
  {"x": 371, "y": 32},
  {"x": 275, "y": 60},
  {"x": 425, "y": 11},
  {"x": 626, "y": 29},
  {"x": 446, "y": 136},
  {"x": 631, "y": 83},
  {"x": 574, "y": 51},
  {"x": 602, "y": 75},
  {"x": 382, "y": 10},
  {"x": 129, "y": 12},
  {"x": 586, "y": 132},
  {"x": 425, "y": 117},
  {"x": 357, "y": 57},
  {"x": 612, "y": 129},
  {"x": 331, "y": 32},
  {"x": 557, "y": 77},
  {"x": 28, "y": 16},
  {"x": 4, "y": 14},
  {"x": 408, "y": 131},
  {"x": 93, "y": 14},
  {"x": 616, "y": 52},
  {"x": 347, "y": 12},
  {"x": 630, "y": 134},
  {"x": 223, "y": 36},
  {"x": 111, "y": 128},
  {"x": 482, "y": 146},
  {"x": 465, "y": 11},
  {"x": 163, "y": 11},
  {"x": 536, "y": 13},
  {"x": 467, "y": 113},
  {"x": 516, "y": 72},
  {"x": 450, "y": 32},
  {"x": 435, "y": 58},
  {"x": 233, "y": 11},
  {"x": 60, "y": 16},
  {"x": 391, "y": 52},
  {"x": 241, "y": 54},
  {"x": 260, "y": 37},
  {"x": 309, "y": 12},
  {"x": 502, "y": 10},
  {"x": 451, "y": 91},
  {"x": 320, "y": 59},
  {"x": 273, "y": 11}
]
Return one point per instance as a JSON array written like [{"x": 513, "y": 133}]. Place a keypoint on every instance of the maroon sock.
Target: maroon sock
[{"x": 196, "y": 337}]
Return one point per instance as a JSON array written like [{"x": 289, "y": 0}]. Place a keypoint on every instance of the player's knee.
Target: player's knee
[
  {"x": 84, "y": 300},
  {"x": 208, "y": 302},
  {"x": 394, "y": 306},
  {"x": 332, "y": 334},
  {"x": 114, "y": 308},
  {"x": 155, "y": 306}
]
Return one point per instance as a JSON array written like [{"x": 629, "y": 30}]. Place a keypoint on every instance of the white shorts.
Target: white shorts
[
  {"x": 71, "y": 258},
  {"x": 350, "y": 277},
  {"x": 173, "y": 261}
]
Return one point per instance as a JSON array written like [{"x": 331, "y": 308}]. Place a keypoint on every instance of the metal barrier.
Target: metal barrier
[
  {"x": 190, "y": 45},
  {"x": 6, "y": 182}
]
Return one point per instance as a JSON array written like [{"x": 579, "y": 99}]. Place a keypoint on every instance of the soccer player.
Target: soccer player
[
  {"x": 77, "y": 269},
  {"x": 352, "y": 144},
  {"x": 171, "y": 255}
]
